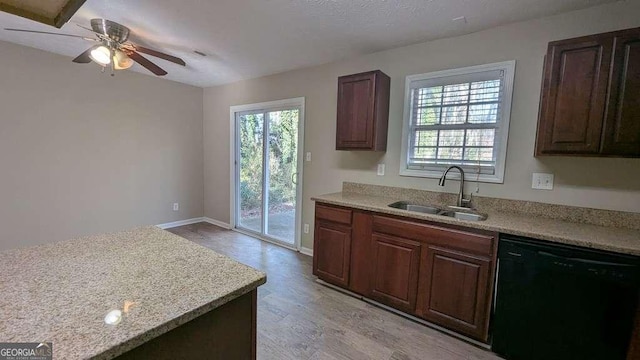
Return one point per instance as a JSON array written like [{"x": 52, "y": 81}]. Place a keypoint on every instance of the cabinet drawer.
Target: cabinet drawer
[
  {"x": 476, "y": 243},
  {"x": 333, "y": 214}
]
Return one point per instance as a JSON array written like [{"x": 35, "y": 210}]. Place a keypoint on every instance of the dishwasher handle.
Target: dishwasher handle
[{"x": 585, "y": 261}]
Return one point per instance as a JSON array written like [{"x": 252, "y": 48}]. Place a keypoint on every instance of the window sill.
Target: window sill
[{"x": 484, "y": 178}]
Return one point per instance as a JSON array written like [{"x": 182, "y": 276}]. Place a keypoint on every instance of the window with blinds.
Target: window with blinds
[{"x": 458, "y": 117}]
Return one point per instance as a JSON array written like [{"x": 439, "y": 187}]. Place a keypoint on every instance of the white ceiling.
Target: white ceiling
[{"x": 251, "y": 38}]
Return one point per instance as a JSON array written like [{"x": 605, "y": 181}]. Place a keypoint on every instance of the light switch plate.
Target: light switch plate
[
  {"x": 308, "y": 156},
  {"x": 381, "y": 169},
  {"x": 542, "y": 181}
]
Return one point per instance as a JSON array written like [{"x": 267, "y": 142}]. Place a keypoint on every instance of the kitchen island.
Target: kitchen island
[{"x": 144, "y": 293}]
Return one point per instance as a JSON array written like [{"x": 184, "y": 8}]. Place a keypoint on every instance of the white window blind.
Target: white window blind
[{"x": 457, "y": 117}]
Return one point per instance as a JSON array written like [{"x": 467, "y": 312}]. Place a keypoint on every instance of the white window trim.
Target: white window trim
[{"x": 501, "y": 152}]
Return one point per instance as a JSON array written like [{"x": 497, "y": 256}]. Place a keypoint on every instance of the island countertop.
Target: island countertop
[{"x": 61, "y": 292}]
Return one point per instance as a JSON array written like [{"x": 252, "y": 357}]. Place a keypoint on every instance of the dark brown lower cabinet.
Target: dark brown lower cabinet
[
  {"x": 227, "y": 332},
  {"x": 441, "y": 273},
  {"x": 360, "y": 254},
  {"x": 395, "y": 266},
  {"x": 332, "y": 252},
  {"x": 454, "y": 290}
]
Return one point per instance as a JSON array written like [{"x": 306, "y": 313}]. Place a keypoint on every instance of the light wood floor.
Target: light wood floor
[{"x": 300, "y": 319}]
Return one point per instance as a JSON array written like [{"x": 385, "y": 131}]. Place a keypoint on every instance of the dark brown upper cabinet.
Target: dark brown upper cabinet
[
  {"x": 622, "y": 122},
  {"x": 363, "y": 111},
  {"x": 589, "y": 102}
]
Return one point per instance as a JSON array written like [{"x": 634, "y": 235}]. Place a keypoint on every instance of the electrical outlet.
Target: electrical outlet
[
  {"x": 380, "y": 169},
  {"x": 176, "y": 206},
  {"x": 306, "y": 228},
  {"x": 308, "y": 156},
  {"x": 542, "y": 181}
]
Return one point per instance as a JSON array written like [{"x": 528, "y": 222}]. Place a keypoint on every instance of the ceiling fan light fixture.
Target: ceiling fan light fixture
[
  {"x": 111, "y": 48},
  {"x": 101, "y": 55},
  {"x": 121, "y": 61}
]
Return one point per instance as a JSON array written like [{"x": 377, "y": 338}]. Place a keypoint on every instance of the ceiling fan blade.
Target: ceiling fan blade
[
  {"x": 50, "y": 33},
  {"x": 146, "y": 63},
  {"x": 84, "y": 57},
  {"x": 160, "y": 55}
]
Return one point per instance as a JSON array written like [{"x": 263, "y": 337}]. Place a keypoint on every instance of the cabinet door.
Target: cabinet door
[
  {"x": 573, "y": 96},
  {"x": 332, "y": 252},
  {"x": 395, "y": 266},
  {"x": 622, "y": 127},
  {"x": 356, "y": 106},
  {"x": 455, "y": 291}
]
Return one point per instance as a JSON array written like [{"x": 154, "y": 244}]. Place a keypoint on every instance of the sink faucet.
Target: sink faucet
[{"x": 462, "y": 202}]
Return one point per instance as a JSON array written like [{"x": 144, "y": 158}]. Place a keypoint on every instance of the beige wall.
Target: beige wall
[
  {"x": 598, "y": 183},
  {"x": 81, "y": 152}
]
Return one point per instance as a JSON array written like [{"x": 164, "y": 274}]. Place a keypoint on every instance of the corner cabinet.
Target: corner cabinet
[
  {"x": 589, "y": 104},
  {"x": 443, "y": 274},
  {"x": 363, "y": 111}
]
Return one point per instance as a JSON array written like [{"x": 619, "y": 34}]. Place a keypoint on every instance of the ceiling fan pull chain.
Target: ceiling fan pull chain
[{"x": 113, "y": 61}]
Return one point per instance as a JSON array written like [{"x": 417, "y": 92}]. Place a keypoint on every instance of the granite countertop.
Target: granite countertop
[
  {"x": 616, "y": 239},
  {"x": 61, "y": 292}
]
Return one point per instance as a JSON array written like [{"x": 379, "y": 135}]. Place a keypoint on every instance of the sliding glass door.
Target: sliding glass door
[
  {"x": 267, "y": 173},
  {"x": 250, "y": 179}
]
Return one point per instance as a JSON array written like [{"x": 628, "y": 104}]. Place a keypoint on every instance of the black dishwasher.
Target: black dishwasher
[{"x": 563, "y": 302}]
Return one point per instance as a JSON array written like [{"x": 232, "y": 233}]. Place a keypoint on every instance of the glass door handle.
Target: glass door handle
[{"x": 294, "y": 178}]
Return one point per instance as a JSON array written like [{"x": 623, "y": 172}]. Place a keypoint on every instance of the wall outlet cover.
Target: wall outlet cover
[
  {"x": 306, "y": 228},
  {"x": 176, "y": 206},
  {"x": 307, "y": 156},
  {"x": 542, "y": 181},
  {"x": 381, "y": 169}
]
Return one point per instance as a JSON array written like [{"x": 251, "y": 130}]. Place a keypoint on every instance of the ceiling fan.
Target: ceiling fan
[{"x": 112, "y": 48}]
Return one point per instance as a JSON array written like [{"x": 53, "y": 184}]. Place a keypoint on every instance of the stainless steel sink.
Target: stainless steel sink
[
  {"x": 428, "y": 209},
  {"x": 464, "y": 215},
  {"x": 425, "y": 209}
]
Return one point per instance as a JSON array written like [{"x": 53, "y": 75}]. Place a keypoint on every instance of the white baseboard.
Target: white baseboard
[
  {"x": 306, "y": 251},
  {"x": 194, "y": 221},
  {"x": 217, "y": 223},
  {"x": 180, "y": 223}
]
